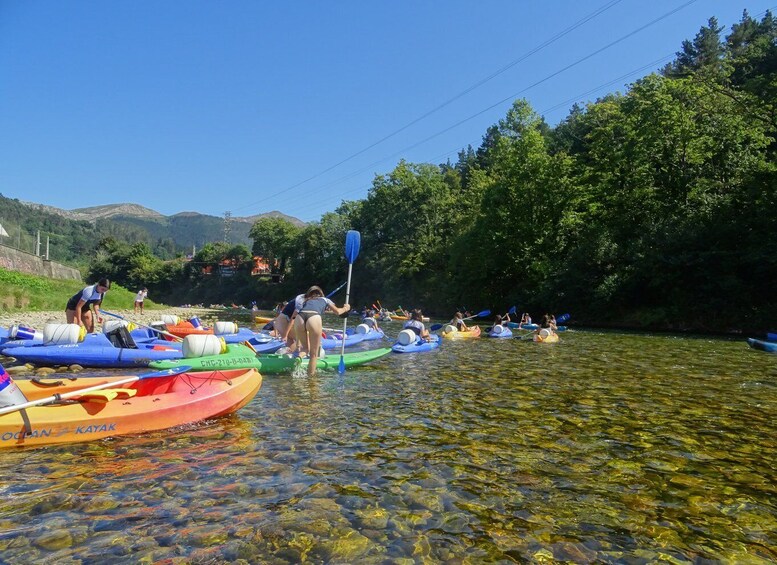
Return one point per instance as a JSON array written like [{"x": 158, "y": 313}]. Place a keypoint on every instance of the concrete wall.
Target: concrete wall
[{"x": 15, "y": 260}]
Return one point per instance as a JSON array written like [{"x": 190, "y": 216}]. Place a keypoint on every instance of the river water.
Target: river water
[{"x": 604, "y": 448}]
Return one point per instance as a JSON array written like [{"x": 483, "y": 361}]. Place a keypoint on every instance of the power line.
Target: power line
[
  {"x": 502, "y": 101},
  {"x": 469, "y": 89},
  {"x": 543, "y": 112}
]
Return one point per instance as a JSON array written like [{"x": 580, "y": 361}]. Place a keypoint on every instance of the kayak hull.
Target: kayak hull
[
  {"x": 473, "y": 333},
  {"x": 336, "y": 342},
  {"x": 504, "y": 333},
  {"x": 552, "y": 338},
  {"x": 239, "y": 356},
  {"x": 418, "y": 346},
  {"x": 768, "y": 346},
  {"x": 95, "y": 351},
  {"x": 158, "y": 403}
]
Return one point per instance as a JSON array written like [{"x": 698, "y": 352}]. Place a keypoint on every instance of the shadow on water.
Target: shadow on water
[{"x": 606, "y": 447}]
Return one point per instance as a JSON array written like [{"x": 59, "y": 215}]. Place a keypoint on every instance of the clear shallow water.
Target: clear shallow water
[{"x": 606, "y": 447}]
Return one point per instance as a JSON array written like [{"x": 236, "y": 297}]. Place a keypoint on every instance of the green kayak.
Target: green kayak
[{"x": 241, "y": 357}]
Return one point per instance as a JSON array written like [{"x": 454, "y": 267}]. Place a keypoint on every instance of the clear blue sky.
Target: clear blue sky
[{"x": 214, "y": 106}]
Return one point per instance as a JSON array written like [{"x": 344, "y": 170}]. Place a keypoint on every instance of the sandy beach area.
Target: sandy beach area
[{"x": 37, "y": 320}]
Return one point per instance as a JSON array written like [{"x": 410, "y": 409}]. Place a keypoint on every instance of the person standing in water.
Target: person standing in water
[{"x": 308, "y": 324}]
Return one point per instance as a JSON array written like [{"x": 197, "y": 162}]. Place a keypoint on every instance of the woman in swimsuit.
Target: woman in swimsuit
[{"x": 308, "y": 324}]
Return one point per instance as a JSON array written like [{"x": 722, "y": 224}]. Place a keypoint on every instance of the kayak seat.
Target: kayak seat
[
  {"x": 107, "y": 395},
  {"x": 120, "y": 337}
]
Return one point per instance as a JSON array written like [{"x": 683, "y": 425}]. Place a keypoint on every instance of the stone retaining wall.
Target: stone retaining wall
[{"x": 16, "y": 260}]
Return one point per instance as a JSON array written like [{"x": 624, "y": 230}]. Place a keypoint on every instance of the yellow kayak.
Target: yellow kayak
[
  {"x": 263, "y": 319},
  {"x": 453, "y": 333},
  {"x": 552, "y": 338}
]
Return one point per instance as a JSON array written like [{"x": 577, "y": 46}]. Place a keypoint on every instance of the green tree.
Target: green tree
[{"x": 274, "y": 240}]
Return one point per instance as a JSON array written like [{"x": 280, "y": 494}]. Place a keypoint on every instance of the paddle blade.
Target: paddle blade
[
  {"x": 511, "y": 310},
  {"x": 483, "y": 314},
  {"x": 435, "y": 327},
  {"x": 563, "y": 318},
  {"x": 341, "y": 367},
  {"x": 353, "y": 241}
]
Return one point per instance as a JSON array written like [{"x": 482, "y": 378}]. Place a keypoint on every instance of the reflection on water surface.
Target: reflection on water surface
[{"x": 607, "y": 447}]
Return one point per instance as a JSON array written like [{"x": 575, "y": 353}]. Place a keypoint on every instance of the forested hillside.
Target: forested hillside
[
  {"x": 652, "y": 208},
  {"x": 75, "y": 235}
]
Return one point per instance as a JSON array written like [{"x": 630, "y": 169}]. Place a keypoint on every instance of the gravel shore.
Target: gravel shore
[{"x": 37, "y": 320}]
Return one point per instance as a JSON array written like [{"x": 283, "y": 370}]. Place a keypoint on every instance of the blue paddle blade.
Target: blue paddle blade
[
  {"x": 563, "y": 318},
  {"x": 511, "y": 310},
  {"x": 484, "y": 313},
  {"x": 353, "y": 240},
  {"x": 167, "y": 372},
  {"x": 435, "y": 327},
  {"x": 341, "y": 368}
]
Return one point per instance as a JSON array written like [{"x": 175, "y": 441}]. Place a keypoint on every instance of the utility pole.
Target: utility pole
[
  {"x": 47, "y": 248},
  {"x": 227, "y": 226},
  {"x": 37, "y": 245}
]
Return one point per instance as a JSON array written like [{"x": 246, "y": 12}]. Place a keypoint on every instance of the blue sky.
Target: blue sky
[{"x": 257, "y": 106}]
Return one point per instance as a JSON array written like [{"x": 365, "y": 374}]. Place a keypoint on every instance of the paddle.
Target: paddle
[
  {"x": 512, "y": 310},
  {"x": 175, "y": 337},
  {"x": 563, "y": 318},
  {"x": 482, "y": 314},
  {"x": 352, "y": 242},
  {"x": 74, "y": 393},
  {"x": 331, "y": 294}
]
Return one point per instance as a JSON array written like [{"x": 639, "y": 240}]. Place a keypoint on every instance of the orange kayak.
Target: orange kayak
[
  {"x": 473, "y": 332},
  {"x": 185, "y": 328},
  {"x": 141, "y": 406}
]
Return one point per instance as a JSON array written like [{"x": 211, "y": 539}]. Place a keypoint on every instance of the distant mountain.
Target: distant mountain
[
  {"x": 111, "y": 210},
  {"x": 131, "y": 222}
]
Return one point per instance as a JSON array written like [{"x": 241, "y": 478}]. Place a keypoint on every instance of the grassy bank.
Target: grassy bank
[{"x": 20, "y": 292}]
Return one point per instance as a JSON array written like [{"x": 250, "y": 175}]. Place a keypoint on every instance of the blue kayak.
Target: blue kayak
[
  {"x": 370, "y": 335},
  {"x": 531, "y": 327},
  {"x": 95, "y": 351},
  {"x": 768, "y": 346},
  {"x": 267, "y": 346},
  {"x": 500, "y": 332},
  {"x": 517, "y": 326},
  {"x": 336, "y": 341},
  {"x": 418, "y": 346}
]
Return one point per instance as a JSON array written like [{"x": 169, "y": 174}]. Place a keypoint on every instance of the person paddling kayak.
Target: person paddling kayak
[{"x": 417, "y": 325}]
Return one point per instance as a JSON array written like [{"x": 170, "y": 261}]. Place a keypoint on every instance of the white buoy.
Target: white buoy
[
  {"x": 406, "y": 337},
  {"x": 170, "y": 319},
  {"x": 110, "y": 325},
  {"x": 362, "y": 329},
  {"x": 222, "y": 328},
  {"x": 63, "y": 334},
  {"x": 200, "y": 345}
]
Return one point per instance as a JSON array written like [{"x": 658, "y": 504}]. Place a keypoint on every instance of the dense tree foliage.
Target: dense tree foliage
[{"x": 652, "y": 208}]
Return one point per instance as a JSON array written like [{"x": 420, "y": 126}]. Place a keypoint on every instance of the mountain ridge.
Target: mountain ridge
[{"x": 128, "y": 209}]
